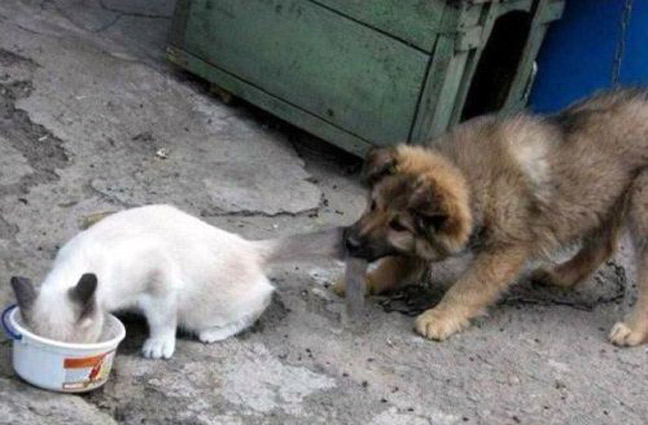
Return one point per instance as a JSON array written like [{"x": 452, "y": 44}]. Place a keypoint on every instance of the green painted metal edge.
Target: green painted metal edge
[
  {"x": 495, "y": 11},
  {"x": 415, "y": 22},
  {"x": 456, "y": 57},
  {"x": 436, "y": 89},
  {"x": 264, "y": 100},
  {"x": 179, "y": 22},
  {"x": 516, "y": 97},
  {"x": 448, "y": 62},
  {"x": 552, "y": 11}
]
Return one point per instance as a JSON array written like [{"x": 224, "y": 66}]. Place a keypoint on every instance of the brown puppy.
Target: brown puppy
[{"x": 512, "y": 190}]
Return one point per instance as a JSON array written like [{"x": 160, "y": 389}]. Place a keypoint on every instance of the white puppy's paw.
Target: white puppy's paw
[{"x": 159, "y": 347}]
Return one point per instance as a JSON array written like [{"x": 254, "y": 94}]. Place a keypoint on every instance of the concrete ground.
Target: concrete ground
[{"x": 87, "y": 103}]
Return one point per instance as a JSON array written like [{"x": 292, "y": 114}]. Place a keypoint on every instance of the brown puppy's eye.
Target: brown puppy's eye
[
  {"x": 396, "y": 226},
  {"x": 373, "y": 205}
]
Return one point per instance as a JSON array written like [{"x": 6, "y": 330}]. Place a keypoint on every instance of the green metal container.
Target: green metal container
[{"x": 362, "y": 73}]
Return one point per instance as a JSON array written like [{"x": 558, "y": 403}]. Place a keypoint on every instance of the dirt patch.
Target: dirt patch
[
  {"x": 43, "y": 151},
  {"x": 8, "y": 59},
  {"x": 7, "y": 230}
]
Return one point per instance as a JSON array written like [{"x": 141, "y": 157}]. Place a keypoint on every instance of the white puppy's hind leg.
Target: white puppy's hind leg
[
  {"x": 241, "y": 317},
  {"x": 219, "y": 333}
]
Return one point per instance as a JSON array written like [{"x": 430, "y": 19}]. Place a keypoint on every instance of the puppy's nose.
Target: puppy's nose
[
  {"x": 352, "y": 244},
  {"x": 352, "y": 241}
]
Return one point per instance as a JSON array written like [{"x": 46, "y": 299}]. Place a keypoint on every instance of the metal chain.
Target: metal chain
[{"x": 621, "y": 42}]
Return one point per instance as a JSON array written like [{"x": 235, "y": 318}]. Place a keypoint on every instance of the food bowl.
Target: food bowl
[{"x": 61, "y": 366}]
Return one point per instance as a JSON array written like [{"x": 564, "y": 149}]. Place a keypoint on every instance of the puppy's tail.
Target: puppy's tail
[{"x": 307, "y": 246}]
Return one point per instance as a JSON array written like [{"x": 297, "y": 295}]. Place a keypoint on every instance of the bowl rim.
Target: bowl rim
[{"x": 102, "y": 345}]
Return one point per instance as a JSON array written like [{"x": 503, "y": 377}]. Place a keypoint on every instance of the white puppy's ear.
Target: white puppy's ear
[
  {"x": 83, "y": 295},
  {"x": 25, "y": 293}
]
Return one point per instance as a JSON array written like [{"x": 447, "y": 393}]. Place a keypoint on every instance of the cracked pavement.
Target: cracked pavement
[{"x": 86, "y": 104}]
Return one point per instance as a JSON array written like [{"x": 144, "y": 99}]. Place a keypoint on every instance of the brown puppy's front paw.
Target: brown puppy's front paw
[
  {"x": 339, "y": 288},
  {"x": 438, "y": 324},
  {"x": 625, "y": 334}
]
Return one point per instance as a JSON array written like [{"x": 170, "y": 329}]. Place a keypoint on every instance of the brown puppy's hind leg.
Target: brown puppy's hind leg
[
  {"x": 634, "y": 329},
  {"x": 597, "y": 248}
]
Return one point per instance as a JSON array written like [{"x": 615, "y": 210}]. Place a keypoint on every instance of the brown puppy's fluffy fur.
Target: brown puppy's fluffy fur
[{"x": 512, "y": 190}]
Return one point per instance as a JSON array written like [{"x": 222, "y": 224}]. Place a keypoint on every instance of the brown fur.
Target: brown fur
[{"x": 512, "y": 190}]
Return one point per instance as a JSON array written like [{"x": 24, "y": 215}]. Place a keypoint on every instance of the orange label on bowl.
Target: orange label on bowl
[{"x": 86, "y": 372}]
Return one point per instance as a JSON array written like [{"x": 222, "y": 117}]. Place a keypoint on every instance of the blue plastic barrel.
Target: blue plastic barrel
[{"x": 578, "y": 54}]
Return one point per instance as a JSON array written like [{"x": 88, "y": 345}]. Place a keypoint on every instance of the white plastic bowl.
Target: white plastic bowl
[{"x": 61, "y": 366}]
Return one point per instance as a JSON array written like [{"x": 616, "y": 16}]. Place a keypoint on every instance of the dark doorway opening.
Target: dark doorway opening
[{"x": 497, "y": 65}]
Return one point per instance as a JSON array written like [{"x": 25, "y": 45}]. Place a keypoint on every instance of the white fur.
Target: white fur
[
  {"x": 533, "y": 161},
  {"x": 174, "y": 268},
  {"x": 531, "y": 148}
]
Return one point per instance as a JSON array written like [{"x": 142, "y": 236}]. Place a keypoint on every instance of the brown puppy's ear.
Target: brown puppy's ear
[
  {"x": 25, "y": 293},
  {"x": 428, "y": 209},
  {"x": 380, "y": 162}
]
